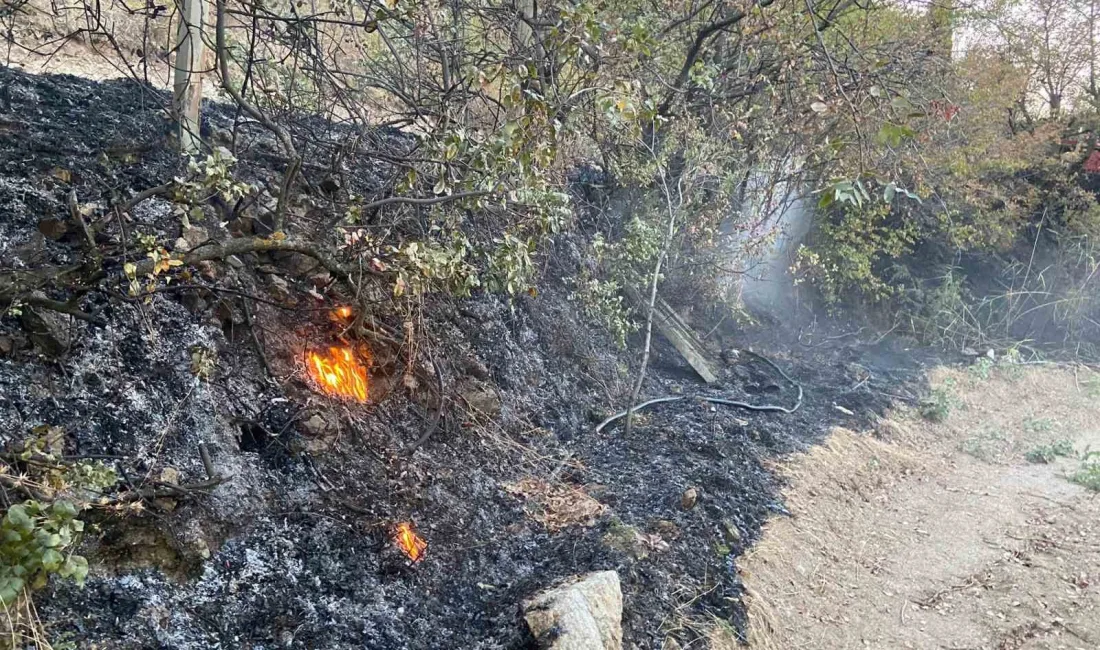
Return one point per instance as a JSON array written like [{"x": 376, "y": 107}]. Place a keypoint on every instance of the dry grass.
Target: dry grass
[
  {"x": 21, "y": 628},
  {"x": 556, "y": 506}
]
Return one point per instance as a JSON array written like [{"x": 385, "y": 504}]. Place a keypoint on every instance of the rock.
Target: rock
[
  {"x": 316, "y": 426},
  {"x": 170, "y": 475},
  {"x": 234, "y": 261},
  {"x": 279, "y": 286},
  {"x": 7, "y": 344},
  {"x": 585, "y": 613},
  {"x": 731, "y": 532},
  {"x": 53, "y": 228},
  {"x": 479, "y": 396},
  {"x": 470, "y": 365},
  {"x": 689, "y": 498},
  {"x": 627, "y": 539},
  {"x": 207, "y": 270},
  {"x": 297, "y": 264},
  {"x": 48, "y": 330}
]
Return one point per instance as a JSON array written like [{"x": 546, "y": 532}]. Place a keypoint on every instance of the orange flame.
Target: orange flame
[
  {"x": 411, "y": 544},
  {"x": 340, "y": 374},
  {"x": 343, "y": 312}
]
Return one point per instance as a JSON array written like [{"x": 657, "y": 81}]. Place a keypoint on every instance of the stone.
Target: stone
[
  {"x": 689, "y": 498},
  {"x": 47, "y": 330},
  {"x": 479, "y": 396},
  {"x": 279, "y": 286},
  {"x": 584, "y": 613},
  {"x": 731, "y": 532},
  {"x": 316, "y": 426},
  {"x": 7, "y": 345},
  {"x": 53, "y": 228},
  {"x": 207, "y": 270}
]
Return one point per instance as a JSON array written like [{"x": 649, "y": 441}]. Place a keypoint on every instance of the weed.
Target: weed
[
  {"x": 985, "y": 446},
  {"x": 940, "y": 403},
  {"x": 981, "y": 369},
  {"x": 1038, "y": 425},
  {"x": 1088, "y": 474},
  {"x": 1092, "y": 385},
  {"x": 1047, "y": 453}
]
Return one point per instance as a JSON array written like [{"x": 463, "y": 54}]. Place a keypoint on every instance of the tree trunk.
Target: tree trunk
[{"x": 187, "y": 80}]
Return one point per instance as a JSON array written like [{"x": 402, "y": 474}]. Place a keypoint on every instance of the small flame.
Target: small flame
[
  {"x": 343, "y": 312},
  {"x": 340, "y": 373},
  {"x": 411, "y": 544}
]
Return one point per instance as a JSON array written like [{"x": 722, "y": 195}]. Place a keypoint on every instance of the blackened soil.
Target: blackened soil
[{"x": 294, "y": 549}]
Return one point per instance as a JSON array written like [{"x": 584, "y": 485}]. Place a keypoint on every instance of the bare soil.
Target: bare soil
[{"x": 923, "y": 535}]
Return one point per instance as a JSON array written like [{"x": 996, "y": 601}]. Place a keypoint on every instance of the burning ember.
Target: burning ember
[
  {"x": 342, "y": 313},
  {"x": 411, "y": 544},
  {"x": 339, "y": 373}
]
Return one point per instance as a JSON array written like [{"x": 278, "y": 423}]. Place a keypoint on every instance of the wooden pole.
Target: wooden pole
[{"x": 187, "y": 80}]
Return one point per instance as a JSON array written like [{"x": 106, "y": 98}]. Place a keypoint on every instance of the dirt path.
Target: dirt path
[{"x": 942, "y": 536}]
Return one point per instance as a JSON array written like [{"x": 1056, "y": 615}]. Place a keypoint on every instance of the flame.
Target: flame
[
  {"x": 411, "y": 544},
  {"x": 343, "y": 312},
  {"x": 340, "y": 373}
]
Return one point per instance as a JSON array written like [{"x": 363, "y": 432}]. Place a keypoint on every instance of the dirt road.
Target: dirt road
[{"x": 945, "y": 535}]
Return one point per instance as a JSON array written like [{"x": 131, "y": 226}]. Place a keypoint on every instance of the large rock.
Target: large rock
[
  {"x": 584, "y": 613},
  {"x": 48, "y": 330}
]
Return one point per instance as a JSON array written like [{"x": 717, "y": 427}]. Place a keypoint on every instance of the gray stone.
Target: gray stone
[
  {"x": 479, "y": 396},
  {"x": 584, "y": 613},
  {"x": 48, "y": 330}
]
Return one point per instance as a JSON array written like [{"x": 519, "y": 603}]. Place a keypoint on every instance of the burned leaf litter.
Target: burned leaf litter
[{"x": 300, "y": 546}]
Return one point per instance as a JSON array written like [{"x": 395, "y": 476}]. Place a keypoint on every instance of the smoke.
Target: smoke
[
  {"x": 769, "y": 286},
  {"x": 765, "y": 235}
]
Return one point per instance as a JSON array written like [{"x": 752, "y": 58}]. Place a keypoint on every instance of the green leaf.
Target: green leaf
[
  {"x": 888, "y": 193},
  {"x": 52, "y": 560},
  {"x": 17, "y": 516}
]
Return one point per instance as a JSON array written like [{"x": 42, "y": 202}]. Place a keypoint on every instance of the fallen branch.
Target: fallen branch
[
  {"x": 62, "y": 308},
  {"x": 434, "y": 424},
  {"x": 144, "y": 195},
  {"x": 219, "y": 251}
]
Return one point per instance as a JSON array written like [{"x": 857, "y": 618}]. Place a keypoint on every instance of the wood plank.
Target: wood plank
[{"x": 682, "y": 337}]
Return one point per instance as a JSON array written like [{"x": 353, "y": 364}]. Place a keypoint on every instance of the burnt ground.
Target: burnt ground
[{"x": 294, "y": 550}]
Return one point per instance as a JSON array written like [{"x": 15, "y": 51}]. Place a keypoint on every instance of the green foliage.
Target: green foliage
[
  {"x": 849, "y": 248},
  {"x": 425, "y": 267},
  {"x": 982, "y": 368},
  {"x": 39, "y": 535},
  {"x": 1038, "y": 425},
  {"x": 1088, "y": 474},
  {"x": 626, "y": 262},
  {"x": 208, "y": 177},
  {"x": 602, "y": 302},
  {"x": 986, "y": 445},
  {"x": 938, "y": 406},
  {"x": 510, "y": 269},
  {"x": 36, "y": 541},
  {"x": 1048, "y": 453}
]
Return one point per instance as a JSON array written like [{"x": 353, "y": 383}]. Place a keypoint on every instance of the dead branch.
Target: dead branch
[
  {"x": 219, "y": 251},
  {"x": 294, "y": 163},
  {"x": 59, "y": 307},
  {"x": 434, "y": 424}
]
